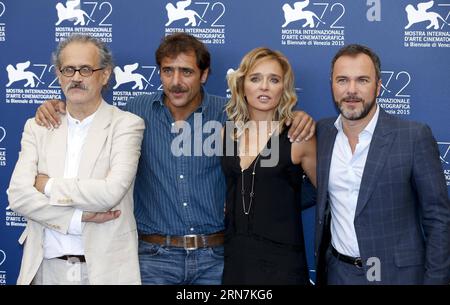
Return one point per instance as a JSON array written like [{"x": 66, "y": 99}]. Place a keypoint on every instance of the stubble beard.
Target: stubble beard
[{"x": 356, "y": 114}]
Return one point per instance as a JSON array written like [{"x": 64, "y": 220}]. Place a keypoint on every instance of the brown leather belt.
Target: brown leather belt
[
  {"x": 188, "y": 242},
  {"x": 73, "y": 258}
]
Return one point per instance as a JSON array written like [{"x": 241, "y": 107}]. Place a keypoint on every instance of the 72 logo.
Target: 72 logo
[
  {"x": 444, "y": 152},
  {"x": 395, "y": 83}
]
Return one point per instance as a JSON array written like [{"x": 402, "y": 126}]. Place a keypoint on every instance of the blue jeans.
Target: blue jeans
[{"x": 161, "y": 265}]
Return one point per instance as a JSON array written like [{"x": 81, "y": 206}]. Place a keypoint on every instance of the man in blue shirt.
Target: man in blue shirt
[{"x": 180, "y": 188}]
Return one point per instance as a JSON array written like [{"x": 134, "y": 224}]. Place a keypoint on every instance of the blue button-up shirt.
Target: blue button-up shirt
[{"x": 173, "y": 194}]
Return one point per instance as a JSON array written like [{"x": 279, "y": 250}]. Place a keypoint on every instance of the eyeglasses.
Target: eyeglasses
[{"x": 84, "y": 71}]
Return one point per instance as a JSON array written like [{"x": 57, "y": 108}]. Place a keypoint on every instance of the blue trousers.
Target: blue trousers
[{"x": 161, "y": 265}]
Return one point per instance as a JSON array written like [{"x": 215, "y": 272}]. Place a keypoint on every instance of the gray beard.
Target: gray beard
[{"x": 354, "y": 116}]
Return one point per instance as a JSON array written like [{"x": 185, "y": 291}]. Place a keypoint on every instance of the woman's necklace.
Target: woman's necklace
[
  {"x": 252, "y": 189},
  {"x": 252, "y": 192}
]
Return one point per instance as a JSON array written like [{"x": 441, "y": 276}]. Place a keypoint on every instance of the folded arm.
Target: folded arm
[
  {"x": 101, "y": 195},
  {"x": 24, "y": 198}
]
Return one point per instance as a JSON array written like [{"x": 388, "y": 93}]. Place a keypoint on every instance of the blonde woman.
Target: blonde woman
[{"x": 264, "y": 238}]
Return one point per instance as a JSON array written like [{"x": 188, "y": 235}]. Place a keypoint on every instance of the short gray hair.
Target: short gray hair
[{"x": 106, "y": 59}]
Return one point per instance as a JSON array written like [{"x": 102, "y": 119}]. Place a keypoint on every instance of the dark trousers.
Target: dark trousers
[{"x": 342, "y": 273}]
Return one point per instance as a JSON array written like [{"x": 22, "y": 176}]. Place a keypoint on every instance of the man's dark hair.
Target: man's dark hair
[
  {"x": 177, "y": 43},
  {"x": 355, "y": 49}
]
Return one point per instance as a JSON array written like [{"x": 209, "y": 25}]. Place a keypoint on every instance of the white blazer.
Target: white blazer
[{"x": 105, "y": 181}]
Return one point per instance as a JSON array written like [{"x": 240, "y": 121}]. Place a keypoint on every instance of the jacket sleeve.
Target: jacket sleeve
[
  {"x": 429, "y": 181},
  {"x": 100, "y": 195},
  {"x": 23, "y": 197}
]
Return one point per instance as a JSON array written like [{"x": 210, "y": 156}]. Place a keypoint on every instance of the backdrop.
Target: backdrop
[{"x": 411, "y": 37}]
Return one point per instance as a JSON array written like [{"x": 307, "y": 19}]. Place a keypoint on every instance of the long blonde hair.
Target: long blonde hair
[{"x": 236, "y": 107}]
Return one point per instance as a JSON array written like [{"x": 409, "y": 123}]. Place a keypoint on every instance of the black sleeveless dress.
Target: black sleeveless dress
[{"x": 264, "y": 242}]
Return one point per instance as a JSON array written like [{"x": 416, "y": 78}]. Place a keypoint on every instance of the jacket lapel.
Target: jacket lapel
[
  {"x": 56, "y": 150},
  {"x": 378, "y": 151},
  {"x": 95, "y": 140}
]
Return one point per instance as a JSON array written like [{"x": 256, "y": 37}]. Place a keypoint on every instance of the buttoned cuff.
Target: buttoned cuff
[
  {"x": 48, "y": 187},
  {"x": 76, "y": 226}
]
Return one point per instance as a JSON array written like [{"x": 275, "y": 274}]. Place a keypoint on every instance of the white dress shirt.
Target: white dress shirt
[
  {"x": 57, "y": 244},
  {"x": 346, "y": 172}
]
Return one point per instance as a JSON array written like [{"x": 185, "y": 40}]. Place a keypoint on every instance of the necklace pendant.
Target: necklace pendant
[{"x": 246, "y": 209}]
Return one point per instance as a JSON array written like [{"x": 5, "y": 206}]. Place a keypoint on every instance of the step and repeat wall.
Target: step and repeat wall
[{"x": 411, "y": 37}]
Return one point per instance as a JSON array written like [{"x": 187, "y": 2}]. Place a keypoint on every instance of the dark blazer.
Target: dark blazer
[{"x": 403, "y": 210}]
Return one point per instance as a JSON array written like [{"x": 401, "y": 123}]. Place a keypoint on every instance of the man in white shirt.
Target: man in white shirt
[
  {"x": 383, "y": 213},
  {"x": 74, "y": 184}
]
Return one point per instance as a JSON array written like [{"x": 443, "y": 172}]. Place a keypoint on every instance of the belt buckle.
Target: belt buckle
[
  {"x": 185, "y": 238},
  {"x": 358, "y": 262},
  {"x": 72, "y": 259}
]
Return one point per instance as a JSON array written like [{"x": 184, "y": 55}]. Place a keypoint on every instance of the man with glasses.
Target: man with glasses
[
  {"x": 179, "y": 198},
  {"x": 73, "y": 183}
]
